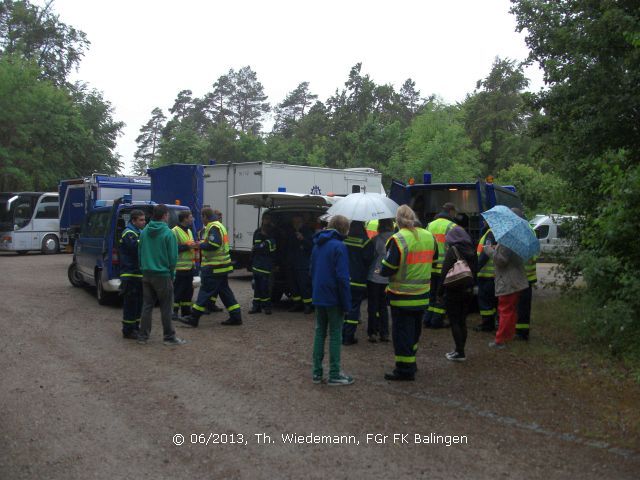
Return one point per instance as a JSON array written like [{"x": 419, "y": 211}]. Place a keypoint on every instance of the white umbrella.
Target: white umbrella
[{"x": 364, "y": 207}]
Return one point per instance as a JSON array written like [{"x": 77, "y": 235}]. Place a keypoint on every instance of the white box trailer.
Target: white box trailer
[
  {"x": 223, "y": 181},
  {"x": 199, "y": 186}
]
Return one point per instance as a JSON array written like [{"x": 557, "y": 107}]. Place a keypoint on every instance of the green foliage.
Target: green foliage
[
  {"x": 540, "y": 192},
  {"x": 47, "y": 133},
  {"x": 591, "y": 59},
  {"x": 37, "y": 34},
  {"x": 149, "y": 142},
  {"x": 436, "y": 142}
]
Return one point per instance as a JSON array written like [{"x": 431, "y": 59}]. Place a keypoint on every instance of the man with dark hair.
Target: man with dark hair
[
  {"x": 216, "y": 266},
  {"x": 185, "y": 268},
  {"x": 131, "y": 276},
  {"x": 158, "y": 251}
]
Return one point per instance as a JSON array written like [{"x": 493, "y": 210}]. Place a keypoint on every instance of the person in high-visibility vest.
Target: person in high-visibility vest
[
  {"x": 410, "y": 254},
  {"x": 131, "y": 276},
  {"x": 487, "y": 300},
  {"x": 185, "y": 268},
  {"x": 524, "y": 303},
  {"x": 264, "y": 248},
  {"x": 372, "y": 228},
  {"x": 215, "y": 268},
  {"x": 439, "y": 227},
  {"x": 361, "y": 255}
]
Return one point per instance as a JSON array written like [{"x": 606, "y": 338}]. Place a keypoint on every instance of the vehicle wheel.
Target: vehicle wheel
[
  {"x": 50, "y": 244},
  {"x": 74, "y": 276},
  {"x": 22, "y": 252},
  {"x": 103, "y": 297}
]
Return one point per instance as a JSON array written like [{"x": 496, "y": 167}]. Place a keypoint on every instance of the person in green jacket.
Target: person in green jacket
[{"x": 158, "y": 254}]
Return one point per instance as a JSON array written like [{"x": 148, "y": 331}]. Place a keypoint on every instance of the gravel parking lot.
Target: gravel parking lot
[{"x": 79, "y": 402}]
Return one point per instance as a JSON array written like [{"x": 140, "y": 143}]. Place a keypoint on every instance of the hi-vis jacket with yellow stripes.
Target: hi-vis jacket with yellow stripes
[
  {"x": 186, "y": 255},
  {"x": 439, "y": 228},
  {"x": 129, "y": 264},
  {"x": 486, "y": 269},
  {"x": 215, "y": 249},
  {"x": 263, "y": 251},
  {"x": 410, "y": 254},
  {"x": 361, "y": 254}
]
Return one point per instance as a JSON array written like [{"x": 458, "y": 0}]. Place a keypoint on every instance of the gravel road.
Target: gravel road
[{"x": 79, "y": 402}]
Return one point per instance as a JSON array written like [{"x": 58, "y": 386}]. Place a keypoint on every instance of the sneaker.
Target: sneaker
[
  {"x": 455, "y": 356},
  {"x": 497, "y": 346},
  {"x": 373, "y": 339},
  {"x": 142, "y": 340},
  {"x": 341, "y": 379},
  {"x": 317, "y": 379},
  {"x": 231, "y": 321},
  {"x": 174, "y": 341}
]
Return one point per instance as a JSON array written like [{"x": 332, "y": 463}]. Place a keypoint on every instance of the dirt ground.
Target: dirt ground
[{"x": 79, "y": 402}]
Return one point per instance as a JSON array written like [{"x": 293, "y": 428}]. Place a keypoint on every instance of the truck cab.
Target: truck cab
[
  {"x": 470, "y": 199},
  {"x": 95, "y": 256}
]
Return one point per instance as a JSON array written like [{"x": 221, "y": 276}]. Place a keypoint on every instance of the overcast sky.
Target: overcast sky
[{"x": 144, "y": 52}]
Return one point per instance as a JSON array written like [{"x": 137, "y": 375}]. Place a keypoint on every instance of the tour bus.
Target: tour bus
[{"x": 29, "y": 221}]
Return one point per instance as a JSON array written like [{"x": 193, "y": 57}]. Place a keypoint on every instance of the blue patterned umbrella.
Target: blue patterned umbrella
[{"x": 512, "y": 231}]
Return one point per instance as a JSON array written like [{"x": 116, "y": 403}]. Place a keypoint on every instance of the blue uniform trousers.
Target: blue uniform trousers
[
  {"x": 351, "y": 319},
  {"x": 261, "y": 294},
  {"x": 434, "y": 316},
  {"x": 301, "y": 286},
  {"x": 131, "y": 303},
  {"x": 215, "y": 286},
  {"x": 524, "y": 313},
  {"x": 406, "y": 327},
  {"x": 183, "y": 291},
  {"x": 487, "y": 303}
]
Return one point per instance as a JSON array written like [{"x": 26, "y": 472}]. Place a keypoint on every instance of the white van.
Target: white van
[{"x": 552, "y": 232}]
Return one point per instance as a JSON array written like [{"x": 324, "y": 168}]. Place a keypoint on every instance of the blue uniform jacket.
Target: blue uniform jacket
[
  {"x": 361, "y": 254},
  {"x": 300, "y": 250},
  {"x": 264, "y": 248},
  {"x": 129, "y": 263},
  {"x": 330, "y": 271}
]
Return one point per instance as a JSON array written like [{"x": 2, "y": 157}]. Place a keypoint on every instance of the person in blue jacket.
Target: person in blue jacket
[
  {"x": 331, "y": 297},
  {"x": 131, "y": 276}
]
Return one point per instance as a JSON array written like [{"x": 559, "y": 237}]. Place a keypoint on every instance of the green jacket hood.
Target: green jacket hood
[{"x": 156, "y": 227}]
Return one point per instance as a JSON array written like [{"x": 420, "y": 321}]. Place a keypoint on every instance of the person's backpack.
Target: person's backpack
[{"x": 459, "y": 275}]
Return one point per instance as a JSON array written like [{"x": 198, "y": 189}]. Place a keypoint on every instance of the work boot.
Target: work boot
[
  {"x": 130, "y": 335},
  {"x": 308, "y": 309},
  {"x": 214, "y": 308},
  {"x": 267, "y": 310},
  {"x": 232, "y": 322},
  {"x": 254, "y": 310},
  {"x": 189, "y": 322},
  {"x": 394, "y": 376}
]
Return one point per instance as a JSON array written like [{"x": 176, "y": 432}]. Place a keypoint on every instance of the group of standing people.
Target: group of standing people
[
  {"x": 408, "y": 271},
  {"x": 158, "y": 265}
]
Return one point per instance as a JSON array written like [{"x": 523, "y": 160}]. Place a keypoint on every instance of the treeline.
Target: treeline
[
  {"x": 49, "y": 128},
  {"x": 397, "y": 131}
]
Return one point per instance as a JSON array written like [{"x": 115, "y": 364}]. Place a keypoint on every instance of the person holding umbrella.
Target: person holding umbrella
[{"x": 516, "y": 244}]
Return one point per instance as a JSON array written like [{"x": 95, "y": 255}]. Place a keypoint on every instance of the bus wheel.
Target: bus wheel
[{"x": 50, "y": 244}]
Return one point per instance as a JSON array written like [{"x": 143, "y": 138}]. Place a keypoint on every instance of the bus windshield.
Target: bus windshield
[{"x": 16, "y": 210}]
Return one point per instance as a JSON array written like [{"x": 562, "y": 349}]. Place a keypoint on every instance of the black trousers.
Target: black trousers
[
  {"x": 406, "y": 327},
  {"x": 377, "y": 311},
  {"x": 458, "y": 304},
  {"x": 183, "y": 291},
  {"x": 301, "y": 286}
]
